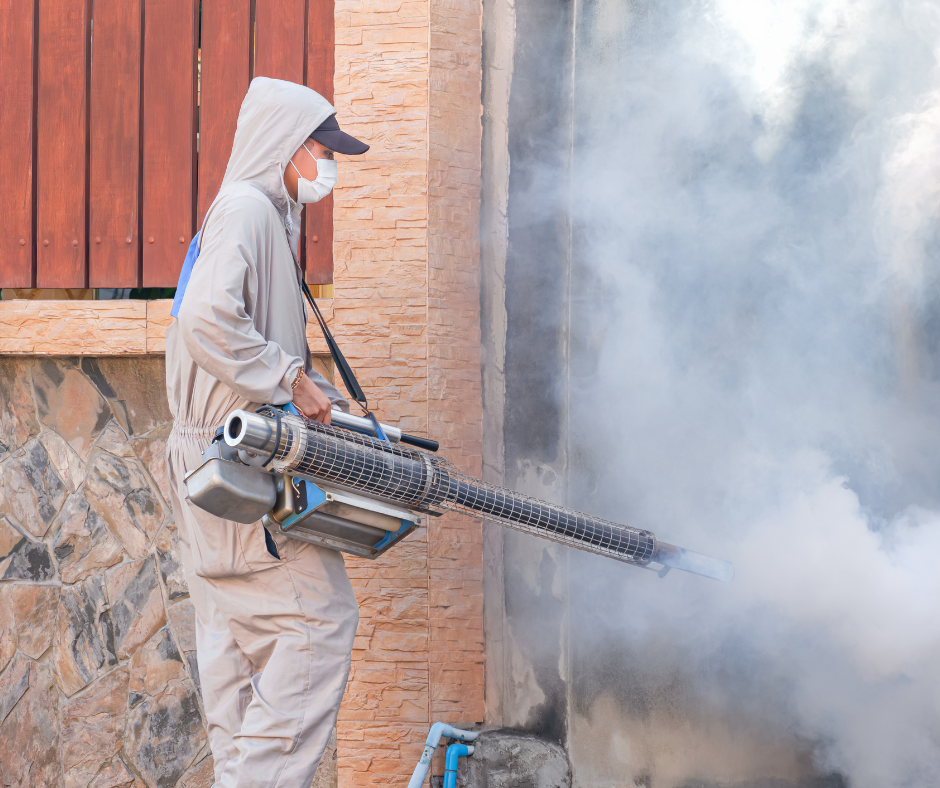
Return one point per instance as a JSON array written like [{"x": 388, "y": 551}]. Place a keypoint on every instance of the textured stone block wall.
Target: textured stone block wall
[
  {"x": 407, "y": 306},
  {"x": 454, "y": 375},
  {"x": 380, "y": 317}
]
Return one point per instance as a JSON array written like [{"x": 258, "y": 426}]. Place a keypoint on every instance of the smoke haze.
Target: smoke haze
[{"x": 755, "y": 196}]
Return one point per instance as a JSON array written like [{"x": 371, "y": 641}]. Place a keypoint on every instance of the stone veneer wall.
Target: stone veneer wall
[
  {"x": 99, "y": 684},
  {"x": 455, "y": 393}
]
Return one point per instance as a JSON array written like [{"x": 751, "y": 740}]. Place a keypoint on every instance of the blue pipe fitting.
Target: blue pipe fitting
[
  {"x": 439, "y": 730},
  {"x": 454, "y": 753}
]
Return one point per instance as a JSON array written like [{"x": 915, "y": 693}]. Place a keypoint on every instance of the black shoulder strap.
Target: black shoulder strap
[{"x": 345, "y": 371}]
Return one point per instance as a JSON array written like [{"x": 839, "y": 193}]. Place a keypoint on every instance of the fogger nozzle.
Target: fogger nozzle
[
  {"x": 250, "y": 431},
  {"x": 688, "y": 561},
  {"x": 423, "y": 481}
]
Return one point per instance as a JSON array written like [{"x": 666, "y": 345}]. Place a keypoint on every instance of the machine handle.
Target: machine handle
[{"x": 422, "y": 443}]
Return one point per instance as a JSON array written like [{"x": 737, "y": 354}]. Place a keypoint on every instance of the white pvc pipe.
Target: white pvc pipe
[{"x": 439, "y": 730}]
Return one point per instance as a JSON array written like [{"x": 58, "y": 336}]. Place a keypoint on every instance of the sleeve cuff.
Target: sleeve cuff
[{"x": 284, "y": 390}]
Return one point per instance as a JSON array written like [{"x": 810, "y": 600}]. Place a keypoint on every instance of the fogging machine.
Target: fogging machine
[{"x": 354, "y": 486}]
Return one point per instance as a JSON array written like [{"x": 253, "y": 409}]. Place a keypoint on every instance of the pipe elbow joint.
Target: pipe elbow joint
[
  {"x": 439, "y": 730},
  {"x": 454, "y": 753}
]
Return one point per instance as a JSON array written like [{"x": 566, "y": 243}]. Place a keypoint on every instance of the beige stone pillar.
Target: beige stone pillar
[{"x": 406, "y": 226}]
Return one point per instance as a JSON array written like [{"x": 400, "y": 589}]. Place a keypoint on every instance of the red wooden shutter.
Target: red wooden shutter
[
  {"x": 279, "y": 40},
  {"x": 169, "y": 137},
  {"x": 16, "y": 132},
  {"x": 60, "y": 176},
  {"x": 320, "y": 67},
  {"x": 226, "y": 41},
  {"x": 115, "y": 145}
]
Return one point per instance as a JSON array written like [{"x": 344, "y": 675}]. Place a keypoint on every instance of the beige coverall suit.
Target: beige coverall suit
[{"x": 273, "y": 635}]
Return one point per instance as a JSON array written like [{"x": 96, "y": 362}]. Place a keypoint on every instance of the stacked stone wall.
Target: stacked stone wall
[{"x": 99, "y": 685}]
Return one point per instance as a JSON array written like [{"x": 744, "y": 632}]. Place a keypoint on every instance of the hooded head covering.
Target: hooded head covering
[{"x": 274, "y": 119}]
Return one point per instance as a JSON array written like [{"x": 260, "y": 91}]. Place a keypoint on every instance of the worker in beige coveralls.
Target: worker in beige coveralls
[{"x": 275, "y": 618}]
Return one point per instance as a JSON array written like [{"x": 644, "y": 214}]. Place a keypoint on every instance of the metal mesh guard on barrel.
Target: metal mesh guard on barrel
[{"x": 423, "y": 480}]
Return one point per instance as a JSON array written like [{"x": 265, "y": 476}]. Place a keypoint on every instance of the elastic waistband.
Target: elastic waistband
[{"x": 189, "y": 430}]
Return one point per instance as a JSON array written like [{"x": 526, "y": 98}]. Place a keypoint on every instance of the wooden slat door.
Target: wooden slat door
[
  {"x": 321, "y": 48},
  {"x": 226, "y": 64},
  {"x": 16, "y": 133},
  {"x": 279, "y": 49},
  {"x": 61, "y": 154},
  {"x": 98, "y": 128},
  {"x": 113, "y": 248},
  {"x": 279, "y": 39},
  {"x": 169, "y": 137}
]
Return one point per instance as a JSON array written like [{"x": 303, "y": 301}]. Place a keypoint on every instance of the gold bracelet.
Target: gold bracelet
[{"x": 296, "y": 382}]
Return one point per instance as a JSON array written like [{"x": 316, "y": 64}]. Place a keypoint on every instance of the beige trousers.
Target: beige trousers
[{"x": 273, "y": 637}]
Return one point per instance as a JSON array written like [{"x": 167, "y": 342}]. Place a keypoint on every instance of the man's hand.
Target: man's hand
[{"x": 312, "y": 402}]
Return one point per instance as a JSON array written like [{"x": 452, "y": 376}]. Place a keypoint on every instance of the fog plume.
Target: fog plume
[{"x": 755, "y": 202}]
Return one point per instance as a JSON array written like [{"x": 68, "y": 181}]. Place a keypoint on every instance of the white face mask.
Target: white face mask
[{"x": 314, "y": 191}]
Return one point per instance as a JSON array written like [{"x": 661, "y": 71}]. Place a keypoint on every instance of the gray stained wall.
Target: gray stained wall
[{"x": 555, "y": 667}]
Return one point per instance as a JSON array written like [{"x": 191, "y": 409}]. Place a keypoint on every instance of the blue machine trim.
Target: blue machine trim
[
  {"x": 391, "y": 537},
  {"x": 406, "y": 525},
  {"x": 315, "y": 499},
  {"x": 379, "y": 432}
]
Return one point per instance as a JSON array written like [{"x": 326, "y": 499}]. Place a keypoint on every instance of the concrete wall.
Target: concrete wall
[
  {"x": 525, "y": 299},
  {"x": 626, "y": 716}
]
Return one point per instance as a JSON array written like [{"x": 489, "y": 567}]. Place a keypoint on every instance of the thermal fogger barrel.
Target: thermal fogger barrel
[{"x": 421, "y": 481}]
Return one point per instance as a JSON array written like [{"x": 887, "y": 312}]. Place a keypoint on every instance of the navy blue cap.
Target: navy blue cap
[{"x": 331, "y": 136}]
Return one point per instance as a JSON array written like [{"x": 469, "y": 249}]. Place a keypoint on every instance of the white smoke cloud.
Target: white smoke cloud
[
  {"x": 762, "y": 246},
  {"x": 873, "y": 594}
]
